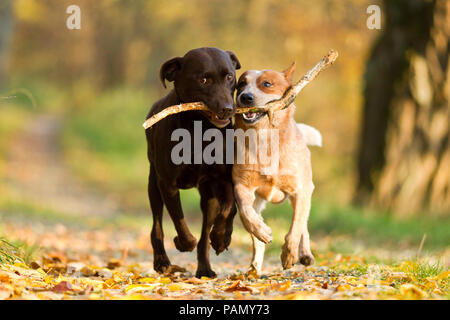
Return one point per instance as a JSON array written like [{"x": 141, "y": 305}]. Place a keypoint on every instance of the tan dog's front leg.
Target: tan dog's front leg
[
  {"x": 252, "y": 221},
  {"x": 258, "y": 246},
  {"x": 258, "y": 255},
  {"x": 301, "y": 203}
]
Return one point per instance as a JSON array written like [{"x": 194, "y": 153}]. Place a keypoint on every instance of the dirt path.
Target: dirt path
[{"x": 36, "y": 171}]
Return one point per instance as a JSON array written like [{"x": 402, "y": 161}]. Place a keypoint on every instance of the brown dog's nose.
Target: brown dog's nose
[{"x": 227, "y": 111}]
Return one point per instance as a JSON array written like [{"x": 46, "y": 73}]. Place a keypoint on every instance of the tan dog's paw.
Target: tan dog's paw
[
  {"x": 253, "y": 272},
  {"x": 262, "y": 231},
  {"x": 288, "y": 257},
  {"x": 256, "y": 226},
  {"x": 307, "y": 260}
]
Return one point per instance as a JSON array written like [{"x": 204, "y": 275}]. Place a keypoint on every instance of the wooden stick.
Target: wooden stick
[{"x": 270, "y": 107}]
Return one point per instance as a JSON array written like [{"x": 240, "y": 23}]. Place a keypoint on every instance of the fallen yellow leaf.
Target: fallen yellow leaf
[
  {"x": 4, "y": 277},
  {"x": 196, "y": 281},
  {"x": 443, "y": 275},
  {"x": 146, "y": 280},
  {"x": 136, "y": 288},
  {"x": 412, "y": 291},
  {"x": 164, "y": 280},
  {"x": 344, "y": 287},
  {"x": 180, "y": 286}
]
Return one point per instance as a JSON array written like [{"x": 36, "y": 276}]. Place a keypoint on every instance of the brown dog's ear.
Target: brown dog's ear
[
  {"x": 235, "y": 60},
  {"x": 289, "y": 72},
  {"x": 169, "y": 69}
]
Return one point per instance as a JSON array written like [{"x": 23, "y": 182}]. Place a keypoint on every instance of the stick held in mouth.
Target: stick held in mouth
[{"x": 270, "y": 108}]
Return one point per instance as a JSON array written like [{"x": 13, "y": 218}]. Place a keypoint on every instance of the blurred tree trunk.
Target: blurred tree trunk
[
  {"x": 6, "y": 26},
  {"x": 404, "y": 154}
]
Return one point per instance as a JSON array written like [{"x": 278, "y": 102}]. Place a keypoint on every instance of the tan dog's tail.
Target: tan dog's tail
[{"x": 312, "y": 135}]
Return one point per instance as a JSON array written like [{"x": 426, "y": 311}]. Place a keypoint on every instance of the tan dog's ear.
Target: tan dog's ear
[{"x": 289, "y": 72}]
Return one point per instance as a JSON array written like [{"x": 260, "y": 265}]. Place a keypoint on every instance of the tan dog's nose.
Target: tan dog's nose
[{"x": 247, "y": 99}]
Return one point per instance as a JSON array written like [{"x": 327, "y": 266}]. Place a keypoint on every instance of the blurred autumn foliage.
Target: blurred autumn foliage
[{"x": 85, "y": 74}]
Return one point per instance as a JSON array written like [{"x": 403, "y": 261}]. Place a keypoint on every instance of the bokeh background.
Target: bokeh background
[{"x": 72, "y": 103}]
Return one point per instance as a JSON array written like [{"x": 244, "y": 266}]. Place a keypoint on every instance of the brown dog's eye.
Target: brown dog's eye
[
  {"x": 229, "y": 77},
  {"x": 267, "y": 84},
  {"x": 203, "y": 80}
]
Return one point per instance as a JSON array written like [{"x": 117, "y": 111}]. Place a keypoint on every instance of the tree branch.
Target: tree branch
[{"x": 270, "y": 108}]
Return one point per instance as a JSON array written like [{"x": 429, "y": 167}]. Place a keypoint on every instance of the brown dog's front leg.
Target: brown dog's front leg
[
  {"x": 185, "y": 241},
  {"x": 223, "y": 224},
  {"x": 210, "y": 208},
  {"x": 161, "y": 261},
  {"x": 252, "y": 221}
]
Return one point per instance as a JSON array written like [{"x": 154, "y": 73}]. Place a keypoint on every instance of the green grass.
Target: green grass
[
  {"x": 104, "y": 143},
  {"x": 15, "y": 251},
  {"x": 8, "y": 252},
  {"x": 26, "y": 209},
  {"x": 427, "y": 269},
  {"x": 372, "y": 227},
  {"x": 13, "y": 116},
  {"x": 368, "y": 226}
]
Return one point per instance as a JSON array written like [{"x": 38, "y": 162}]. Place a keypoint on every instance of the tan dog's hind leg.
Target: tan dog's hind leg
[
  {"x": 301, "y": 203},
  {"x": 258, "y": 246},
  {"x": 252, "y": 221}
]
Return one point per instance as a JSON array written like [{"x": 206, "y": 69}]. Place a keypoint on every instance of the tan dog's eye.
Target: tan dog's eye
[{"x": 267, "y": 84}]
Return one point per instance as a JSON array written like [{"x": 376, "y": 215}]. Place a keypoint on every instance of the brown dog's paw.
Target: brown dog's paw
[
  {"x": 185, "y": 245},
  {"x": 220, "y": 239},
  {"x": 173, "y": 268},
  {"x": 307, "y": 260},
  {"x": 205, "y": 272},
  {"x": 161, "y": 264}
]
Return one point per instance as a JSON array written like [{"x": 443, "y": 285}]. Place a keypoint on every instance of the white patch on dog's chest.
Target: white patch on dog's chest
[
  {"x": 276, "y": 195},
  {"x": 271, "y": 194}
]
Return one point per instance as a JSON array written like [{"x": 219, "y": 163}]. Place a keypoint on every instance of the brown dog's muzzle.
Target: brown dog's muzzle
[{"x": 227, "y": 111}]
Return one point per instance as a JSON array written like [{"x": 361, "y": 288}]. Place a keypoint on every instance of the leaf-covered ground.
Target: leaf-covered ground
[{"x": 117, "y": 264}]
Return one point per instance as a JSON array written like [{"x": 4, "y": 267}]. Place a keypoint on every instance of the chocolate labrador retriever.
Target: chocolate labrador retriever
[{"x": 206, "y": 75}]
